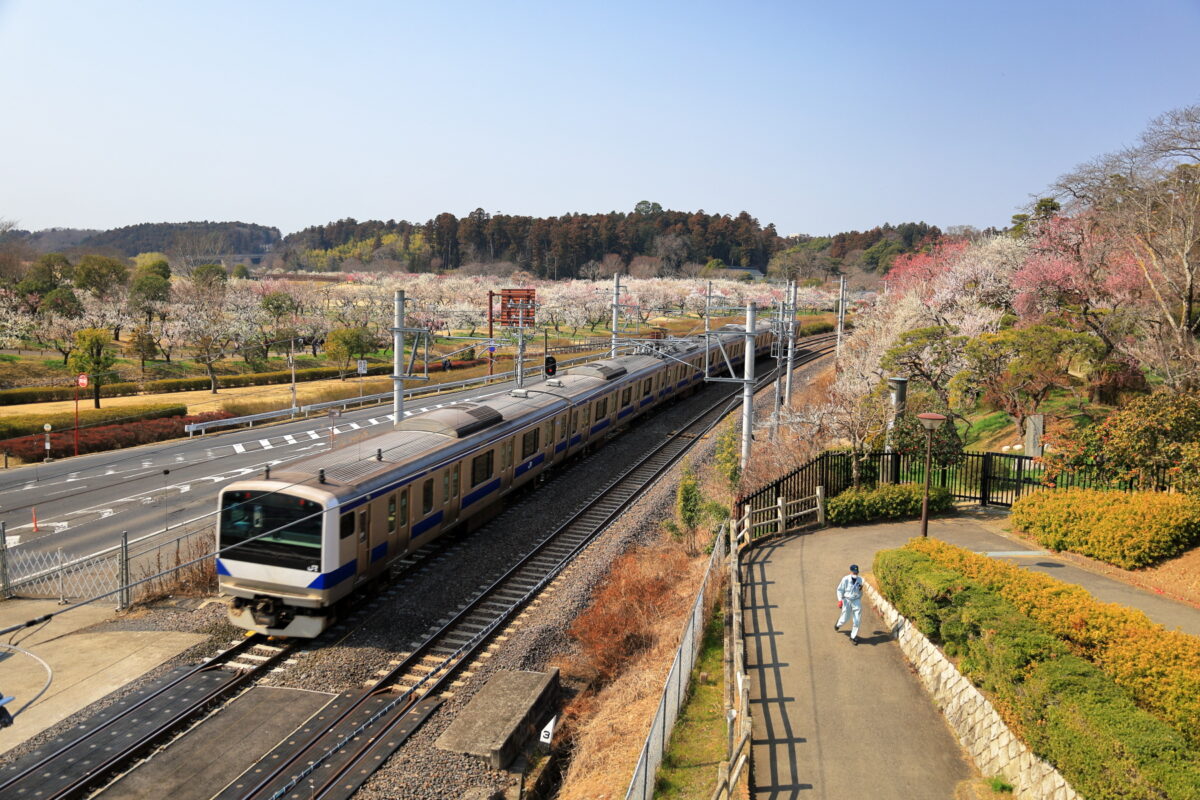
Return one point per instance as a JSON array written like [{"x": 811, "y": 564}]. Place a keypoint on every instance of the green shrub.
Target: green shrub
[
  {"x": 49, "y": 394},
  {"x": 1128, "y": 529},
  {"x": 893, "y": 501},
  {"x": 30, "y": 424},
  {"x": 1068, "y": 711}
]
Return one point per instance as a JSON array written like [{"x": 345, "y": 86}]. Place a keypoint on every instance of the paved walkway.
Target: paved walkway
[
  {"x": 834, "y": 721},
  {"x": 88, "y": 662}
]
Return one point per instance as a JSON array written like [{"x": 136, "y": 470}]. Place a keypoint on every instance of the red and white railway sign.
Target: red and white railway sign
[{"x": 82, "y": 380}]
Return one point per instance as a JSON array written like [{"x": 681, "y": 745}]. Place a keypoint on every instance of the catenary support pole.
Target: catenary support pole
[
  {"x": 398, "y": 357},
  {"x": 791, "y": 344},
  {"x": 841, "y": 313},
  {"x": 748, "y": 388},
  {"x": 616, "y": 313}
]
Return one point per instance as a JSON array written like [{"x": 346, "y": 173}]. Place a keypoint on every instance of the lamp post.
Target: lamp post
[{"x": 930, "y": 422}]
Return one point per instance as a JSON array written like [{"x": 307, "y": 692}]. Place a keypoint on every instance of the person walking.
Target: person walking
[{"x": 849, "y": 597}]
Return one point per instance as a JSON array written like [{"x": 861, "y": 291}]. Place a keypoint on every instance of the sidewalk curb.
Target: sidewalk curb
[{"x": 993, "y": 748}]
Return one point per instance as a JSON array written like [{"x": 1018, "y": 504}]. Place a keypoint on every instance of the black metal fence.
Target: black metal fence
[{"x": 995, "y": 479}]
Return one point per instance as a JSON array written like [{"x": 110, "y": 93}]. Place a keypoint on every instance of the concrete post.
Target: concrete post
[
  {"x": 781, "y": 503},
  {"x": 791, "y": 344},
  {"x": 821, "y": 506},
  {"x": 398, "y": 358},
  {"x": 748, "y": 387},
  {"x": 62, "y": 579},
  {"x": 616, "y": 313},
  {"x": 841, "y": 313}
]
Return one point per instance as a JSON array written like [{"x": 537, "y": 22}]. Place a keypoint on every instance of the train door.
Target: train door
[
  {"x": 402, "y": 535},
  {"x": 364, "y": 541}
]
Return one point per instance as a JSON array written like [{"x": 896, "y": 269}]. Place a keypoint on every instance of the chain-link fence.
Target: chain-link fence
[
  {"x": 641, "y": 787},
  {"x": 135, "y": 570}
]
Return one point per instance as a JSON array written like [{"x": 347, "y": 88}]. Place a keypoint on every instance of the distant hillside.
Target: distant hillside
[
  {"x": 189, "y": 239},
  {"x": 186, "y": 238},
  {"x": 567, "y": 246}
]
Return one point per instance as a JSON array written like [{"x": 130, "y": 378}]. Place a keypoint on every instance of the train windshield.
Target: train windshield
[{"x": 271, "y": 528}]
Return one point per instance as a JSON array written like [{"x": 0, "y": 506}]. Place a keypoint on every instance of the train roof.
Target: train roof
[{"x": 427, "y": 438}]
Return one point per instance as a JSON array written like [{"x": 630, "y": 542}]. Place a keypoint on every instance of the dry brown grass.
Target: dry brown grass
[
  {"x": 769, "y": 459},
  {"x": 194, "y": 579},
  {"x": 627, "y": 641}
]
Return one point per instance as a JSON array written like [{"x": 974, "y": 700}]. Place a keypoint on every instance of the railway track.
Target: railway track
[
  {"x": 338, "y": 751},
  {"x": 67, "y": 766},
  {"x": 332, "y": 756}
]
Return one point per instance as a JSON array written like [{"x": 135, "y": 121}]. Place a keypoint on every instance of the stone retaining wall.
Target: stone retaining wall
[{"x": 980, "y": 730}]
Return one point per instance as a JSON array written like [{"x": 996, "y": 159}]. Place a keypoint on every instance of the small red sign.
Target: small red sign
[{"x": 82, "y": 380}]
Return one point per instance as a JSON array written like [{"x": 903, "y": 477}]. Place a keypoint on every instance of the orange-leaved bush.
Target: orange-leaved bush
[
  {"x": 1159, "y": 668},
  {"x": 1128, "y": 529}
]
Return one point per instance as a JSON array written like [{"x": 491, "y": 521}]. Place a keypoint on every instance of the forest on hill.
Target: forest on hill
[
  {"x": 648, "y": 242},
  {"x": 197, "y": 240}
]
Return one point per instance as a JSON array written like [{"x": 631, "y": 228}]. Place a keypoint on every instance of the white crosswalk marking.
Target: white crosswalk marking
[
  {"x": 355, "y": 426},
  {"x": 287, "y": 437},
  {"x": 266, "y": 444},
  {"x": 314, "y": 435},
  {"x": 239, "y": 448}
]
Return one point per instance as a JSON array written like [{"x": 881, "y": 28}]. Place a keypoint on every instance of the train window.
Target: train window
[
  {"x": 454, "y": 476},
  {"x": 602, "y": 408},
  {"x": 626, "y": 396},
  {"x": 585, "y": 416},
  {"x": 392, "y": 514},
  {"x": 508, "y": 453},
  {"x": 646, "y": 388},
  {"x": 529, "y": 443},
  {"x": 446, "y": 484},
  {"x": 481, "y": 468},
  {"x": 362, "y": 525},
  {"x": 346, "y": 529},
  {"x": 427, "y": 497},
  {"x": 549, "y": 431},
  {"x": 404, "y": 508}
]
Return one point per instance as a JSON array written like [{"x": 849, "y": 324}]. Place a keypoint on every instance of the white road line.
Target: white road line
[
  {"x": 314, "y": 435},
  {"x": 266, "y": 444},
  {"x": 239, "y": 448},
  {"x": 287, "y": 437},
  {"x": 374, "y": 421},
  {"x": 355, "y": 426}
]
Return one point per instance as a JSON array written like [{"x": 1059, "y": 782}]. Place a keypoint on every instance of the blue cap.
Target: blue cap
[{"x": 854, "y": 567}]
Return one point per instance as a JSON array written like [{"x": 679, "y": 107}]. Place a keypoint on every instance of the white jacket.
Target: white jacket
[{"x": 850, "y": 588}]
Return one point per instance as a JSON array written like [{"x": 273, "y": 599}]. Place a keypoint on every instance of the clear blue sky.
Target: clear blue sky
[{"x": 816, "y": 116}]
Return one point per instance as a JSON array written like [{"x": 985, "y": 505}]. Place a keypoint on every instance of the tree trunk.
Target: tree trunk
[
  {"x": 212, "y": 376},
  {"x": 96, "y": 393}
]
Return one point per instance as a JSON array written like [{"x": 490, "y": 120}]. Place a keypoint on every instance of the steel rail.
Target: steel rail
[
  {"x": 393, "y": 714},
  {"x": 58, "y": 762}
]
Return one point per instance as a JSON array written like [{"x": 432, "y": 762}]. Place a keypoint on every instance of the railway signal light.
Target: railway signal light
[{"x": 551, "y": 366}]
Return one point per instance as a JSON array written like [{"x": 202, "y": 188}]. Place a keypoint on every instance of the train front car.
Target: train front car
[{"x": 271, "y": 558}]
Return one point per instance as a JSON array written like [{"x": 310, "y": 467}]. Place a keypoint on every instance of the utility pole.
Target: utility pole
[
  {"x": 707, "y": 325},
  {"x": 791, "y": 343},
  {"x": 398, "y": 356},
  {"x": 292, "y": 367},
  {"x": 748, "y": 388},
  {"x": 841, "y": 313},
  {"x": 520, "y": 348},
  {"x": 777, "y": 346},
  {"x": 491, "y": 346},
  {"x": 616, "y": 309}
]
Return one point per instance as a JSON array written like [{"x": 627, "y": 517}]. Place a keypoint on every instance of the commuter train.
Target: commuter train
[{"x": 297, "y": 543}]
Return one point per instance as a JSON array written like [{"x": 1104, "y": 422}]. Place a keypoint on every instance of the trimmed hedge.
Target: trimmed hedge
[
  {"x": 27, "y": 424},
  {"x": 1067, "y": 710},
  {"x": 1128, "y": 529},
  {"x": 893, "y": 501},
  {"x": 1159, "y": 668},
  {"x": 106, "y": 437}
]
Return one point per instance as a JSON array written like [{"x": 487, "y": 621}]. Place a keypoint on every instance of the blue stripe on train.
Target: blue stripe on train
[
  {"x": 647, "y": 400},
  {"x": 558, "y": 448},
  {"x": 378, "y": 552},
  {"x": 426, "y": 524},
  {"x": 601, "y": 425},
  {"x": 328, "y": 580},
  {"x": 221, "y": 570},
  {"x": 576, "y": 439},
  {"x": 481, "y": 492},
  {"x": 625, "y": 412}
]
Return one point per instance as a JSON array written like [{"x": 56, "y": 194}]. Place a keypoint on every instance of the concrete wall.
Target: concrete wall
[{"x": 982, "y": 733}]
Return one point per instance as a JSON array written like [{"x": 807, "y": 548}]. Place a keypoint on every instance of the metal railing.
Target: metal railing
[
  {"x": 121, "y": 568},
  {"x": 641, "y": 785},
  {"x": 416, "y": 391}
]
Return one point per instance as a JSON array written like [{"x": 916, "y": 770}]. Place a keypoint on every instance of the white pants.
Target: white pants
[{"x": 849, "y": 605}]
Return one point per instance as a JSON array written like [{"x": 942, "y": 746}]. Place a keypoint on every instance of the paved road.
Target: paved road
[{"x": 84, "y": 503}]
